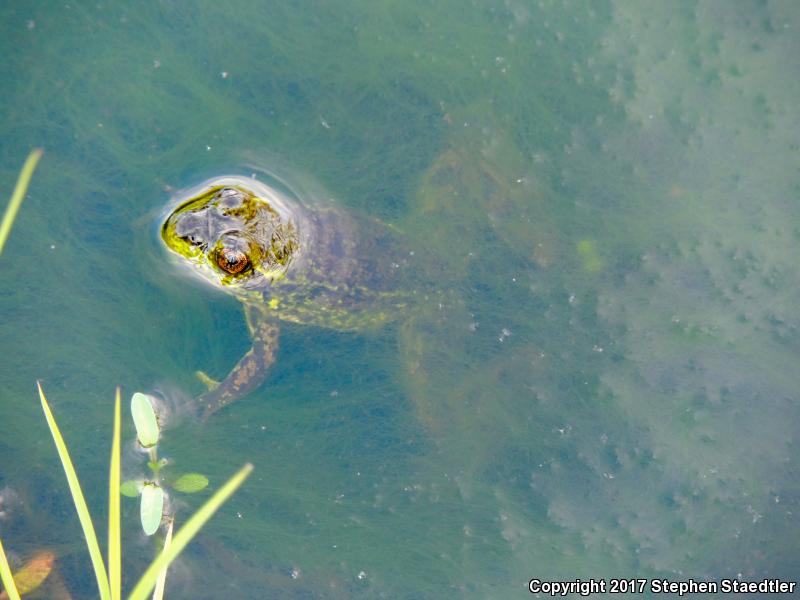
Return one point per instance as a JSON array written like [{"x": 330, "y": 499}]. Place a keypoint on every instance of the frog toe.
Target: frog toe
[{"x": 207, "y": 381}]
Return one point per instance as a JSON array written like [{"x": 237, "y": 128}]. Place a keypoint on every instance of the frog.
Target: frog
[
  {"x": 288, "y": 258},
  {"x": 494, "y": 201}
]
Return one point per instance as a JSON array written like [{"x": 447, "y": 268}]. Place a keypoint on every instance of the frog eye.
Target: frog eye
[{"x": 232, "y": 261}]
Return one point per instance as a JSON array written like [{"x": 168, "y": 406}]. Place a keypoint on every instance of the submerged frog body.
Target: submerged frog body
[{"x": 286, "y": 259}]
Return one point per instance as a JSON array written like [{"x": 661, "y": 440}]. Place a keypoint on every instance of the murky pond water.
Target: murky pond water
[{"x": 605, "y": 198}]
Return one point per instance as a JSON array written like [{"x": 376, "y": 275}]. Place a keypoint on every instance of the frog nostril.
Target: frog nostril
[{"x": 193, "y": 239}]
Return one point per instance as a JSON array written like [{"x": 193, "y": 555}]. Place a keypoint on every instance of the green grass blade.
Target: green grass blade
[
  {"x": 16, "y": 198},
  {"x": 78, "y": 499},
  {"x": 186, "y": 533},
  {"x": 114, "y": 528},
  {"x": 5, "y": 575},
  {"x": 158, "y": 593}
]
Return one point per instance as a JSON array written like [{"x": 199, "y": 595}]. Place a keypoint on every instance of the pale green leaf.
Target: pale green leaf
[
  {"x": 130, "y": 488},
  {"x": 152, "y": 507},
  {"x": 189, "y": 483},
  {"x": 144, "y": 418}
]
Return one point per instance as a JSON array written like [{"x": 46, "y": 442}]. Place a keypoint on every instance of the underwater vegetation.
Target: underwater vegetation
[{"x": 604, "y": 193}]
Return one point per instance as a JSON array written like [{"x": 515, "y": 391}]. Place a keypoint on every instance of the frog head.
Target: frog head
[{"x": 234, "y": 233}]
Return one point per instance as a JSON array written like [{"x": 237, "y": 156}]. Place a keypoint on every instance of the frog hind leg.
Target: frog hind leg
[
  {"x": 251, "y": 370},
  {"x": 432, "y": 345}
]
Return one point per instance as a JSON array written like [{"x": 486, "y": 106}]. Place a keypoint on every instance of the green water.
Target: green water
[{"x": 609, "y": 199}]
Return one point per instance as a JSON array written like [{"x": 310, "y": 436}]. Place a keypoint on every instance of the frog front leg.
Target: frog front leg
[{"x": 251, "y": 370}]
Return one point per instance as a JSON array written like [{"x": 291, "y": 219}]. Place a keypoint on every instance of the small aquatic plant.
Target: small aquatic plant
[
  {"x": 109, "y": 581},
  {"x": 152, "y": 489}
]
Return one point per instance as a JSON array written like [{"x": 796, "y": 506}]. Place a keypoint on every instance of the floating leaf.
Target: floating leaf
[
  {"x": 589, "y": 256},
  {"x": 130, "y": 488},
  {"x": 34, "y": 572},
  {"x": 152, "y": 507},
  {"x": 5, "y": 575},
  {"x": 189, "y": 483},
  {"x": 144, "y": 418}
]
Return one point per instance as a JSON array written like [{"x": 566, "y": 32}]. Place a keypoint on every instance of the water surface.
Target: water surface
[{"x": 608, "y": 196}]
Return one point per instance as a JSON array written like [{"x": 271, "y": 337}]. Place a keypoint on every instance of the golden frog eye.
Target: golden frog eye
[{"x": 232, "y": 261}]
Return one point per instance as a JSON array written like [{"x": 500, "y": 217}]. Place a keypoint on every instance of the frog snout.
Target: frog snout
[
  {"x": 235, "y": 241},
  {"x": 230, "y": 198}
]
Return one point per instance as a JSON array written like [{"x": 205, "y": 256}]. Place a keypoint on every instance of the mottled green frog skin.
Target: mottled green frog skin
[{"x": 285, "y": 260}]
